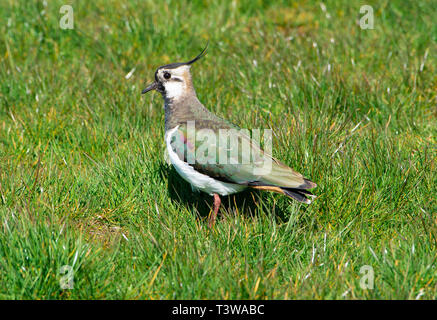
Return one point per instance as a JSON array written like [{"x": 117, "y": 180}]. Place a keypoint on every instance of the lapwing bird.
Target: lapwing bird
[{"x": 199, "y": 161}]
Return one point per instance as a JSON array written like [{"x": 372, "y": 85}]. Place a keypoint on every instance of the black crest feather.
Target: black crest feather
[{"x": 178, "y": 64}]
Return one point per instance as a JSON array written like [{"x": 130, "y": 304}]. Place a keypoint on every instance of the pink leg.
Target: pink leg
[{"x": 217, "y": 203}]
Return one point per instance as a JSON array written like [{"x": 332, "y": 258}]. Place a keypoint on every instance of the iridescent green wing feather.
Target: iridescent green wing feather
[{"x": 227, "y": 153}]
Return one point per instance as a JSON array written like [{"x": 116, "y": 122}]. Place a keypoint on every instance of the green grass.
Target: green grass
[{"x": 83, "y": 180}]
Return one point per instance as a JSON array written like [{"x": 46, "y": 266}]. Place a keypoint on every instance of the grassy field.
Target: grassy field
[{"x": 84, "y": 182}]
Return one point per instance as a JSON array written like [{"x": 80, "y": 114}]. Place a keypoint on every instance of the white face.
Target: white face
[{"x": 174, "y": 81}]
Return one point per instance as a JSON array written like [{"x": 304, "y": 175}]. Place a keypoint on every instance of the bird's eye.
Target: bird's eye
[{"x": 167, "y": 75}]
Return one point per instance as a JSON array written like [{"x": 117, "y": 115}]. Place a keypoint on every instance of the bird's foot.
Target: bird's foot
[{"x": 213, "y": 216}]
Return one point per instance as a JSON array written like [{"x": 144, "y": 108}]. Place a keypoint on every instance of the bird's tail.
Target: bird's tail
[{"x": 300, "y": 195}]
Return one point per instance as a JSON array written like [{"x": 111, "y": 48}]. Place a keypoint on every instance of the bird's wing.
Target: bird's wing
[{"x": 211, "y": 152}]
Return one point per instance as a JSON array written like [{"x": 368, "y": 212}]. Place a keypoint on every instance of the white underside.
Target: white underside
[{"x": 198, "y": 180}]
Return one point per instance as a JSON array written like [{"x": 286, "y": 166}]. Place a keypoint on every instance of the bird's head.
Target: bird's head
[{"x": 173, "y": 80}]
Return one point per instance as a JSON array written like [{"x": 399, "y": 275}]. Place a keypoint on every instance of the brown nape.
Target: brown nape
[
  {"x": 188, "y": 81},
  {"x": 296, "y": 194}
]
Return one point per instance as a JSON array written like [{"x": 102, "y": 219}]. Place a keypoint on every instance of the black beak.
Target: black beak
[{"x": 153, "y": 86}]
